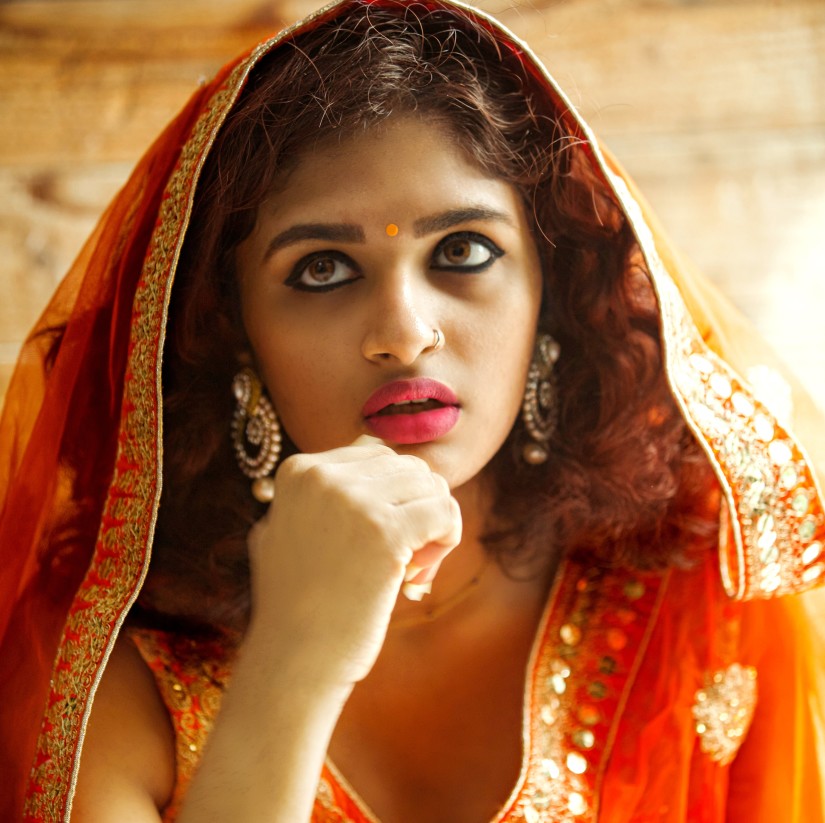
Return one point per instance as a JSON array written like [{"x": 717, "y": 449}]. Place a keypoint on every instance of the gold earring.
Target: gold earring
[
  {"x": 540, "y": 407},
  {"x": 254, "y": 423}
]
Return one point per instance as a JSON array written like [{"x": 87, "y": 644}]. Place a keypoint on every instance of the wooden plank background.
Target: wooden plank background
[{"x": 717, "y": 107}]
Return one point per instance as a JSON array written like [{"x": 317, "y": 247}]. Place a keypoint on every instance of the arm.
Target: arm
[{"x": 327, "y": 563}]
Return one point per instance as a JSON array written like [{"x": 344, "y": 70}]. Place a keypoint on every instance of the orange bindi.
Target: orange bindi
[{"x": 391, "y": 230}]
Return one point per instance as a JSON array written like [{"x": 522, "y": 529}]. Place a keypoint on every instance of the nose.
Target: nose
[{"x": 400, "y": 327}]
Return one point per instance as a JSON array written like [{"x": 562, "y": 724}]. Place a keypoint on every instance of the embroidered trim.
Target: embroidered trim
[
  {"x": 121, "y": 553},
  {"x": 588, "y": 646},
  {"x": 723, "y": 711},
  {"x": 191, "y": 676},
  {"x": 590, "y": 654},
  {"x": 779, "y": 528}
]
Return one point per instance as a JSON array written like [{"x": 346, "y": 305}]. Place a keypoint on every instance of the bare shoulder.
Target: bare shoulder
[{"x": 127, "y": 767}]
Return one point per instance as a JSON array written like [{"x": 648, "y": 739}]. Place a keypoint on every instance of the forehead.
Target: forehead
[{"x": 402, "y": 165}]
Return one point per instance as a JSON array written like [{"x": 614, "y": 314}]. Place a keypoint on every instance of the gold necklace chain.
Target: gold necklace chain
[{"x": 434, "y": 612}]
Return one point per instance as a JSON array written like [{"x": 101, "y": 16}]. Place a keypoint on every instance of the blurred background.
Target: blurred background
[{"x": 716, "y": 107}]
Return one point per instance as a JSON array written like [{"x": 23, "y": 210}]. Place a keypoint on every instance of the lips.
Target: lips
[{"x": 411, "y": 411}]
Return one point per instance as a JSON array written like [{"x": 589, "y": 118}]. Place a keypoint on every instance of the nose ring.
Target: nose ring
[{"x": 438, "y": 340}]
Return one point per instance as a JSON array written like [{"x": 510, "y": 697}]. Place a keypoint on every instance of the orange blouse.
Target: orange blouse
[{"x": 648, "y": 697}]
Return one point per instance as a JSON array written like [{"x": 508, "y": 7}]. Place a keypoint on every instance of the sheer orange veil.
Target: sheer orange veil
[{"x": 81, "y": 439}]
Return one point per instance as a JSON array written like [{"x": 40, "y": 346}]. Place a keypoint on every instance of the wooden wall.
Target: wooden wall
[{"x": 717, "y": 107}]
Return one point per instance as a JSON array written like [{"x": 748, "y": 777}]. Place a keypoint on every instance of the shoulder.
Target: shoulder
[{"x": 127, "y": 768}]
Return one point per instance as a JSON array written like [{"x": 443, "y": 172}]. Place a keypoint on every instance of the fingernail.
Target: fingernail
[
  {"x": 412, "y": 572},
  {"x": 416, "y": 591},
  {"x": 432, "y": 571}
]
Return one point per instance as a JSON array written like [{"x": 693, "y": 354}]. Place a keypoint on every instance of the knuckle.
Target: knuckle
[
  {"x": 319, "y": 475},
  {"x": 293, "y": 466},
  {"x": 418, "y": 463}
]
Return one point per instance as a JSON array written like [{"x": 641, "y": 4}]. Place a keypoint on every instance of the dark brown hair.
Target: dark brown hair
[{"x": 624, "y": 481}]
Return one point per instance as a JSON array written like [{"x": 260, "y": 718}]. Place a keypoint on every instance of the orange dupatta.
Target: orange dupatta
[{"x": 81, "y": 441}]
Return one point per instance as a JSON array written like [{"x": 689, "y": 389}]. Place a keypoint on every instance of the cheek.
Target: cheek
[
  {"x": 504, "y": 349},
  {"x": 303, "y": 378}
]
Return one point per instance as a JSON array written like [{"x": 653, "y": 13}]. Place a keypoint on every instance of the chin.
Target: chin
[{"x": 458, "y": 465}]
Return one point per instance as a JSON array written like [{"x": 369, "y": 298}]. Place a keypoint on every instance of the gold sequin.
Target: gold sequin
[
  {"x": 616, "y": 639},
  {"x": 570, "y": 634},
  {"x": 780, "y": 452},
  {"x": 607, "y": 665},
  {"x": 548, "y": 715},
  {"x": 584, "y": 738},
  {"x": 550, "y": 768},
  {"x": 589, "y": 715},
  {"x": 811, "y": 553},
  {"x": 576, "y": 804},
  {"x": 597, "y": 690},
  {"x": 807, "y": 529}
]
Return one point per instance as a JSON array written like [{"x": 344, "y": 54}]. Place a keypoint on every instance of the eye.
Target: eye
[
  {"x": 466, "y": 252},
  {"x": 322, "y": 271}
]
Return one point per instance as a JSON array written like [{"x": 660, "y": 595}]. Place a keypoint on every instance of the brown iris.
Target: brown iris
[{"x": 457, "y": 252}]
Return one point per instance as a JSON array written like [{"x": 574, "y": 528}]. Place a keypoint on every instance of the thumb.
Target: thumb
[{"x": 368, "y": 440}]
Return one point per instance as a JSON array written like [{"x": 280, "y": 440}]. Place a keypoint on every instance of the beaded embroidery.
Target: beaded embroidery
[
  {"x": 588, "y": 647},
  {"x": 595, "y": 637},
  {"x": 723, "y": 711},
  {"x": 774, "y": 543}
]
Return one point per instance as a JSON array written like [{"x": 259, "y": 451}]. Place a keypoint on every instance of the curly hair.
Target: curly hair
[{"x": 624, "y": 482}]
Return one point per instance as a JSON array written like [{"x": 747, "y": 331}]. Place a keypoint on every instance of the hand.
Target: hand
[{"x": 328, "y": 559}]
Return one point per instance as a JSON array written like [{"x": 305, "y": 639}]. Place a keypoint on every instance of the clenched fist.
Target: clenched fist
[{"x": 345, "y": 528}]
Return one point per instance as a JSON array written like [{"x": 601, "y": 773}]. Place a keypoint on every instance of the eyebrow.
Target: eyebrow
[
  {"x": 332, "y": 232},
  {"x": 350, "y": 233},
  {"x": 454, "y": 217}
]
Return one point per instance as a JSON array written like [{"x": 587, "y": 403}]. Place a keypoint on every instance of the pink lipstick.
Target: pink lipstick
[{"x": 411, "y": 411}]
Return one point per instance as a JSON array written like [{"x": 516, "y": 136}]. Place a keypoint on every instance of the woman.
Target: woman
[{"x": 408, "y": 331}]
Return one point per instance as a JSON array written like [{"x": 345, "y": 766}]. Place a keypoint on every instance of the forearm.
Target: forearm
[{"x": 265, "y": 755}]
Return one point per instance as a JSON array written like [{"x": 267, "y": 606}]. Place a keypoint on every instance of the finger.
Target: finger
[
  {"x": 427, "y": 575},
  {"x": 403, "y": 486},
  {"x": 427, "y": 569},
  {"x": 378, "y": 457},
  {"x": 368, "y": 440},
  {"x": 359, "y": 449},
  {"x": 430, "y": 526}
]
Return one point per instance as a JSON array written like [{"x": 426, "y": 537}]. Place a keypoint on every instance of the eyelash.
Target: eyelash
[
  {"x": 495, "y": 251},
  {"x": 294, "y": 279}
]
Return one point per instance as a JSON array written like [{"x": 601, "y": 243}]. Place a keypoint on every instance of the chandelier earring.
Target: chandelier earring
[
  {"x": 540, "y": 407},
  {"x": 256, "y": 434}
]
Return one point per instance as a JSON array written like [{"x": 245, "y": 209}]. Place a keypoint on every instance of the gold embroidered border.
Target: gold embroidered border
[
  {"x": 121, "y": 554},
  {"x": 594, "y": 641},
  {"x": 779, "y": 525},
  {"x": 778, "y": 531}
]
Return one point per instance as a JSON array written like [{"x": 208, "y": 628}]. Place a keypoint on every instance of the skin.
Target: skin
[{"x": 435, "y": 705}]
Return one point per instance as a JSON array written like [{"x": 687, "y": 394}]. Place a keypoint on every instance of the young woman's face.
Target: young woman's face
[{"x": 373, "y": 244}]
